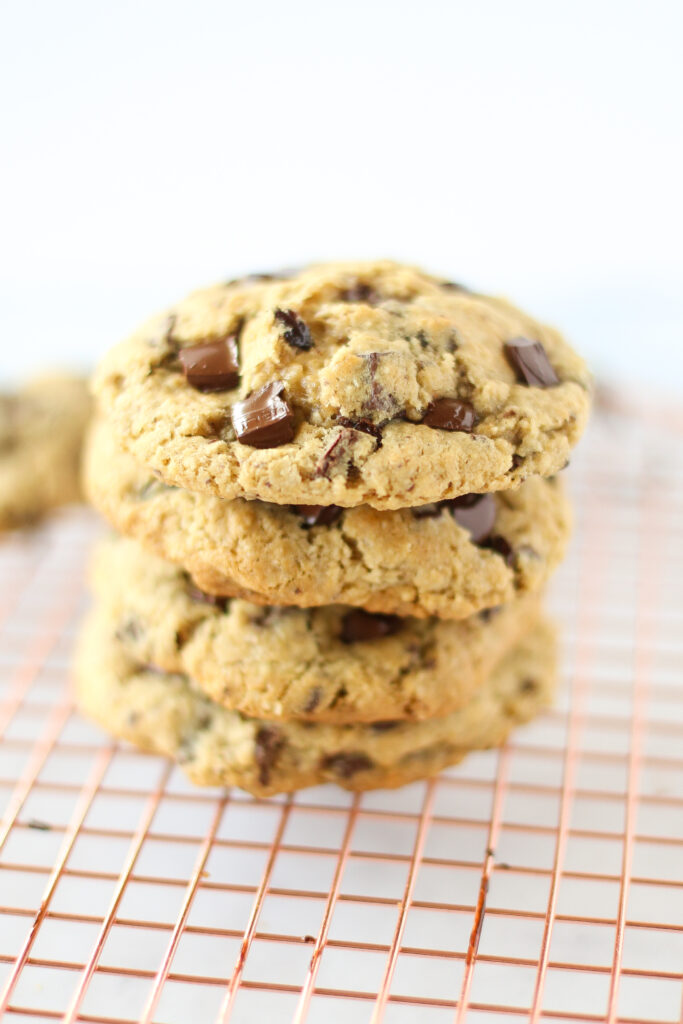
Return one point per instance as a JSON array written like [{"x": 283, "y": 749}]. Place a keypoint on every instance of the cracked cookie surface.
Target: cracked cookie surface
[
  {"x": 41, "y": 434},
  {"x": 419, "y": 561},
  {"x": 345, "y": 384},
  {"x": 165, "y": 713},
  {"x": 332, "y": 664}
]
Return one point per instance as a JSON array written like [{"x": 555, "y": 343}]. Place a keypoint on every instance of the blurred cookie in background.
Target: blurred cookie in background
[{"x": 41, "y": 435}]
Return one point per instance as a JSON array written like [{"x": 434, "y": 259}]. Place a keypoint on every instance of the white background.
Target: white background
[{"x": 530, "y": 148}]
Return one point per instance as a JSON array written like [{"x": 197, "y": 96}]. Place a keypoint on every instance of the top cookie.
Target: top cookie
[
  {"x": 41, "y": 433},
  {"x": 345, "y": 384}
]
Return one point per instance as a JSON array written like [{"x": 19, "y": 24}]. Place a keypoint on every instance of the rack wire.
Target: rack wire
[{"x": 542, "y": 882}]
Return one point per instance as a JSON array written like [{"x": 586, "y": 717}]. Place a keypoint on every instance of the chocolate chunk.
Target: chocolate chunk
[
  {"x": 451, "y": 414},
  {"x": 365, "y": 426},
  {"x": 359, "y": 625},
  {"x": 267, "y": 748},
  {"x": 318, "y": 515},
  {"x": 213, "y": 365},
  {"x": 264, "y": 419},
  {"x": 486, "y": 614},
  {"x": 501, "y": 546},
  {"x": 345, "y": 764},
  {"x": 296, "y": 332},
  {"x": 361, "y": 292},
  {"x": 477, "y": 513},
  {"x": 530, "y": 362},
  {"x": 202, "y": 597},
  {"x": 517, "y": 461},
  {"x": 384, "y": 726},
  {"x": 528, "y": 686},
  {"x": 453, "y": 286},
  {"x": 435, "y": 508}
]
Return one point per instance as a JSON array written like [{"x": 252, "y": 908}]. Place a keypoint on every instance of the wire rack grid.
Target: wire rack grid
[{"x": 542, "y": 882}]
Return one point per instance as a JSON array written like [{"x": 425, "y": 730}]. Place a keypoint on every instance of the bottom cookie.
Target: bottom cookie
[{"x": 164, "y": 713}]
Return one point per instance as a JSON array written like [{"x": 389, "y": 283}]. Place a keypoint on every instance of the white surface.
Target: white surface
[{"x": 530, "y": 148}]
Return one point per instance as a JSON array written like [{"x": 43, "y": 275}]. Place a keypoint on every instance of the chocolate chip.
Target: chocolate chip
[
  {"x": 275, "y": 275},
  {"x": 451, "y": 414},
  {"x": 345, "y": 764},
  {"x": 264, "y": 419},
  {"x": 517, "y": 461},
  {"x": 501, "y": 546},
  {"x": 195, "y": 594},
  {"x": 529, "y": 686},
  {"x": 530, "y": 362},
  {"x": 384, "y": 726},
  {"x": 296, "y": 332},
  {"x": 213, "y": 365},
  {"x": 314, "y": 698},
  {"x": 359, "y": 625},
  {"x": 486, "y": 614},
  {"x": 476, "y": 513},
  {"x": 267, "y": 748},
  {"x": 361, "y": 292},
  {"x": 435, "y": 508},
  {"x": 365, "y": 426},
  {"x": 453, "y": 286},
  {"x": 318, "y": 515}
]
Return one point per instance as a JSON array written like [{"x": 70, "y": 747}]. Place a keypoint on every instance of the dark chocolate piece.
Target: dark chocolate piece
[
  {"x": 296, "y": 332},
  {"x": 477, "y": 513},
  {"x": 530, "y": 362},
  {"x": 451, "y": 414},
  {"x": 314, "y": 698},
  {"x": 359, "y": 625},
  {"x": 384, "y": 726},
  {"x": 267, "y": 748},
  {"x": 318, "y": 515},
  {"x": 264, "y": 419},
  {"x": 453, "y": 286},
  {"x": 346, "y": 763},
  {"x": 501, "y": 546},
  {"x": 213, "y": 365}
]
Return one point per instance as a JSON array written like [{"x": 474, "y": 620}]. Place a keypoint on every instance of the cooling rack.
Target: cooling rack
[{"x": 542, "y": 882}]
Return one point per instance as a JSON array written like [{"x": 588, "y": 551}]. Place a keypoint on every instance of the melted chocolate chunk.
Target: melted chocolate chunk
[
  {"x": 267, "y": 748},
  {"x": 264, "y": 419},
  {"x": 211, "y": 366},
  {"x": 361, "y": 292},
  {"x": 296, "y": 332},
  {"x": 501, "y": 546},
  {"x": 477, "y": 513},
  {"x": 530, "y": 362},
  {"x": 365, "y": 426},
  {"x": 359, "y": 625},
  {"x": 451, "y": 414},
  {"x": 318, "y": 515},
  {"x": 346, "y": 763}
]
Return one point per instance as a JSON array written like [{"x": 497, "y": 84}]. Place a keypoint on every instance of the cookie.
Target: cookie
[
  {"x": 166, "y": 714},
  {"x": 450, "y": 560},
  {"x": 41, "y": 433},
  {"x": 332, "y": 664},
  {"x": 345, "y": 384}
]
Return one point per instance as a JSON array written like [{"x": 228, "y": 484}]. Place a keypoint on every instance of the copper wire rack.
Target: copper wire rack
[{"x": 541, "y": 882}]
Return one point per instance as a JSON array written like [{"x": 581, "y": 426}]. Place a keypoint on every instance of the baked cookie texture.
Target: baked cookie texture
[
  {"x": 417, "y": 562},
  {"x": 331, "y": 664},
  {"x": 166, "y": 714},
  {"x": 41, "y": 434},
  {"x": 384, "y": 386}
]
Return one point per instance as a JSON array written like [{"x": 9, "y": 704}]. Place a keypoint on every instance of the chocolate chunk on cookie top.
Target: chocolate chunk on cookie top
[
  {"x": 211, "y": 366},
  {"x": 264, "y": 419},
  {"x": 357, "y": 384}
]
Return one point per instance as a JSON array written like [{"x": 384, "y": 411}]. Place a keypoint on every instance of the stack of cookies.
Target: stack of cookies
[{"x": 336, "y": 506}]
